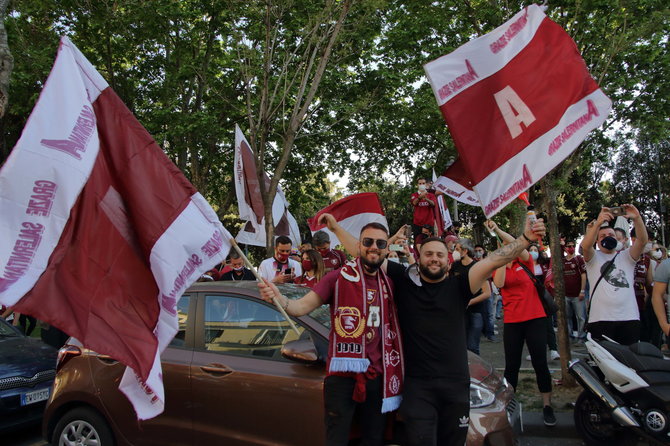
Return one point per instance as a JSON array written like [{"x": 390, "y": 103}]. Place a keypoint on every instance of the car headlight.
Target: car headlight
[{"x": 480, "y": 397}]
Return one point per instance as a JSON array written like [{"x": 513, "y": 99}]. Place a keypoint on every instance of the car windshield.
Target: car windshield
[
  {"x": 320, "y": 314},
  {"x": 6, "y": 330}
]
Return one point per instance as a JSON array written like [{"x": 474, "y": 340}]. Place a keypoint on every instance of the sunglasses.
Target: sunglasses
[{"x": 381, "y": 244}]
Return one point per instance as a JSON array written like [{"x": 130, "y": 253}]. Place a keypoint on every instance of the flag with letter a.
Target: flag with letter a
[
  {"x": 100, "y": 233},
  {"x": 352, "y": 213},
  {"x": 517, "y": 102}
]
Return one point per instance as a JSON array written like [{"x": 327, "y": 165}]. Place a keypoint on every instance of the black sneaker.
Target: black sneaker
[{"x": 549, "y": 417}]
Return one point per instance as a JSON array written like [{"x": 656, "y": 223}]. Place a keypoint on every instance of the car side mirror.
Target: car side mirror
[{"x": 301, "y": 350}]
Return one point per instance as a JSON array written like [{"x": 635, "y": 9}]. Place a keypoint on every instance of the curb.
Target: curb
[{"x": 533, "y": 426}]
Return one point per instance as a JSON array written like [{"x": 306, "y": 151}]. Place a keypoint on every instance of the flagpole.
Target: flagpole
[{"x": 260, "y": 279}]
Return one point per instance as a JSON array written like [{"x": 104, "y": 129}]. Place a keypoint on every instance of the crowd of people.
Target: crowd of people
[{"x": 406, "y": 308}]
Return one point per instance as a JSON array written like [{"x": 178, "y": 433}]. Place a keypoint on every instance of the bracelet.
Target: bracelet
[{"x": 527, "y": 239}]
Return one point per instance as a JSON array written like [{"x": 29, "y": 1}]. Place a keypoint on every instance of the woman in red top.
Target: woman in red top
[
  {"x": 525, "y": 321},
  {"x": 312, "y": 269}
]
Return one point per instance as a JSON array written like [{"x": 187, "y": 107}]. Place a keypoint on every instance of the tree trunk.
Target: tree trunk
[{"x": 550, "y": 193}]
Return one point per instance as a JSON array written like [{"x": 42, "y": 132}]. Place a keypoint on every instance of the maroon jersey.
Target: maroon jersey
[
  {"x": 572, "y": 275},
  {"x": 423, "y": 210},
  {"x": 333, "y": 259}
]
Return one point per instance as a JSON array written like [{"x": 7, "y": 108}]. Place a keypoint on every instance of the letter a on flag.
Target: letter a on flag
[
  {"x": 100, "y": 233},
  {"x": 517, "y": 102}
]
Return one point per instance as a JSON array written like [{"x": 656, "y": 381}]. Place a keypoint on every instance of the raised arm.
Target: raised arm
[
  {"x": 505, "y": 237},
  {"x": 592, "y": 233},
  {"x": 641, "y": 237},
  {"x": 349, "y": 242},
  {"x": 486, "y": 293},
  {"x": 483, "y": 269}
]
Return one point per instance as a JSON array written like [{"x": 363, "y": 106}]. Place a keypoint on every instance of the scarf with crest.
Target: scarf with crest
[{"x": 350, "y": 315}]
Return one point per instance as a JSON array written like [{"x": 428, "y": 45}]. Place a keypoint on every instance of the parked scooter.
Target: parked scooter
[{"x": 626, "y": 394}]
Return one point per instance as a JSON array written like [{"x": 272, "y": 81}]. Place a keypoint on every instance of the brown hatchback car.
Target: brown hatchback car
[{"x": 236, "y": 374}]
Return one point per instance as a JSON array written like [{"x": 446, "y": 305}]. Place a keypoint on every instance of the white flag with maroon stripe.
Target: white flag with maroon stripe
[
  {"x": 352, "y": 213},
  {"x": 517, "y": 102},
  {"x": 100, "y": 232}
]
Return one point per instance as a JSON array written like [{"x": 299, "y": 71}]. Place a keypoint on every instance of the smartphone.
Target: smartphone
[
  {"x": 408, "y": 231},
  {"x": 617, "y": 211},
  {"x": 395, "y": 247},
  {"x": 288, "y": 271}
]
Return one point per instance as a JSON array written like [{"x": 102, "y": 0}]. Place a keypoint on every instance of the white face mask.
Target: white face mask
[
  {"x": 479, "y": 254},
  {"x": 456, "y": 255},
  {"x": 647, "y": 248},
  {"x": 422, "y": 187},
  {"x": 394, "y": 259},
  {"x": 619, "y": 246},
  {"x": 534, "y": 255},
  {"x": 657, "y": 254}
]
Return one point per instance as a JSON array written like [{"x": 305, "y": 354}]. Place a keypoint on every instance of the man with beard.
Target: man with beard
[
  {"x": 431, "y": 308},
  {"x": 365, "y": 366}
]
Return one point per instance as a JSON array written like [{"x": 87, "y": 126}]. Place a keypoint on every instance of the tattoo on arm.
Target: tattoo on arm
[{"x": 509, "y": 252}]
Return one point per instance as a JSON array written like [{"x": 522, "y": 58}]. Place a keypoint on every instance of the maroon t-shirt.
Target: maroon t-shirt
[
  {"x": 423, "y": 210},
  {"x": 640, "y": 278},
  {"x": 572, "y": 275},
  {"x": 333, "y": 259},
  {"x": 373, "y": 347}
]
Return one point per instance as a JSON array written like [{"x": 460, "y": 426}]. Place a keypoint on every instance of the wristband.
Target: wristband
[{"x": 527, "y": 239}]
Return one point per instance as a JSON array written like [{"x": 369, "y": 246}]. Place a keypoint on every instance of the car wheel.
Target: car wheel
[
  {"x": 82, "y": 426},
  {"x": 595, "y": 424}
]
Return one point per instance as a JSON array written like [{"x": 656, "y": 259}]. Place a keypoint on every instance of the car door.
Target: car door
[
  {"x": 244, "y": 391},
  {"x": 175, "y": 425}
]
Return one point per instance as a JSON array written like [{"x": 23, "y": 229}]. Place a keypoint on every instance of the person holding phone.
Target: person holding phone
[
  {"x": 613, "y": 308},
  {"x": 280, "y": 268}
]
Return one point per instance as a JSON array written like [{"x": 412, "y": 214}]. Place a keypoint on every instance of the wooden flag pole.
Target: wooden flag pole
[{"x": 260, "y": 279}]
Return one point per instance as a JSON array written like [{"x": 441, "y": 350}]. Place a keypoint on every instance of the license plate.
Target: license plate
[{"x": 34, "y": 397}]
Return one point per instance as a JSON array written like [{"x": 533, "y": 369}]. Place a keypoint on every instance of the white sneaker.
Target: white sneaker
[
  {"x": 553, "y": 354},
  {"x": 528, "y": 358}
]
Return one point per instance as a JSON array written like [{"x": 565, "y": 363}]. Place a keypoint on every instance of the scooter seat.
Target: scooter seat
[{"x": 645, "y": 361}]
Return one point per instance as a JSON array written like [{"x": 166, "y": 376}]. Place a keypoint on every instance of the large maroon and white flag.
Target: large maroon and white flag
[
  {"x": 250, "y": 202},
  {"x": 100, "y": 233},
  {"x": 517, "y": 102},
  {"x": 352, "y": 213}
]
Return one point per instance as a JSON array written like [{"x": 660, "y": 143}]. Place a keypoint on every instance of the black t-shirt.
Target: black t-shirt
[
  {"x": 432, "y": 320},
  {"x": 458, "y": 269}
]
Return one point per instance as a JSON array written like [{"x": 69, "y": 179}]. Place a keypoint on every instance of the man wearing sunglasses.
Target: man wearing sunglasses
[
  {"x": 431, "y": 309},
  {"x": 365, "y": 364}
]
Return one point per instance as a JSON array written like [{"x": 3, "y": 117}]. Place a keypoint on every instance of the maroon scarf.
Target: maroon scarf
[{"x": 351, "y": 314}]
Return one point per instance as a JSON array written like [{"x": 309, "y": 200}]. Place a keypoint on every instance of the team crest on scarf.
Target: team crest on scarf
[{"x": 349, "y": 323}]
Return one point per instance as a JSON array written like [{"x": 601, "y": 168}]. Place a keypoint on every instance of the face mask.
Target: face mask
[
  {"x": 456, "y": 255},
  {"x": 394, "y": 259},
  {"x": 306, "y": 265},
  {"x": 619, "y": 246},
  {"x": 534, "y": 255},
  {"x": 282, "y": 258},
  {"x": 570, "y": 250},
  {"x": 657, "y": 254},
  {"x": 238, "y": 269},
  {"x": 479, "y": 254},
  {"x": 422, "y": 187},
  {"x": 647, "y": 248},
  {"x": 323, "y": 251},
  {"x": 610, "y": 243}
]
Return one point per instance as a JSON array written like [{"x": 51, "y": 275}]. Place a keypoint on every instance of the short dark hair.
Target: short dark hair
[
  {"x": 234, "y": 254},
  {"x": 433, "y": 239},
  {"x": 622, "y": 232},
  {"x": 320, "y": 237},
  {"x": 283, "y": 240},
  {"x": 375, "y": 225},
  {"x": 480, "y": 246}
]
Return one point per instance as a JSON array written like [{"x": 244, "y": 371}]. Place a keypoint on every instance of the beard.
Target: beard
[
  {"x": 370, "y": 266},
  {"x": 432, "y": 275}
]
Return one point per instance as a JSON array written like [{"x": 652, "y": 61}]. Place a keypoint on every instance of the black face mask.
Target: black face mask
[{"x": 608, "y": 243}]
